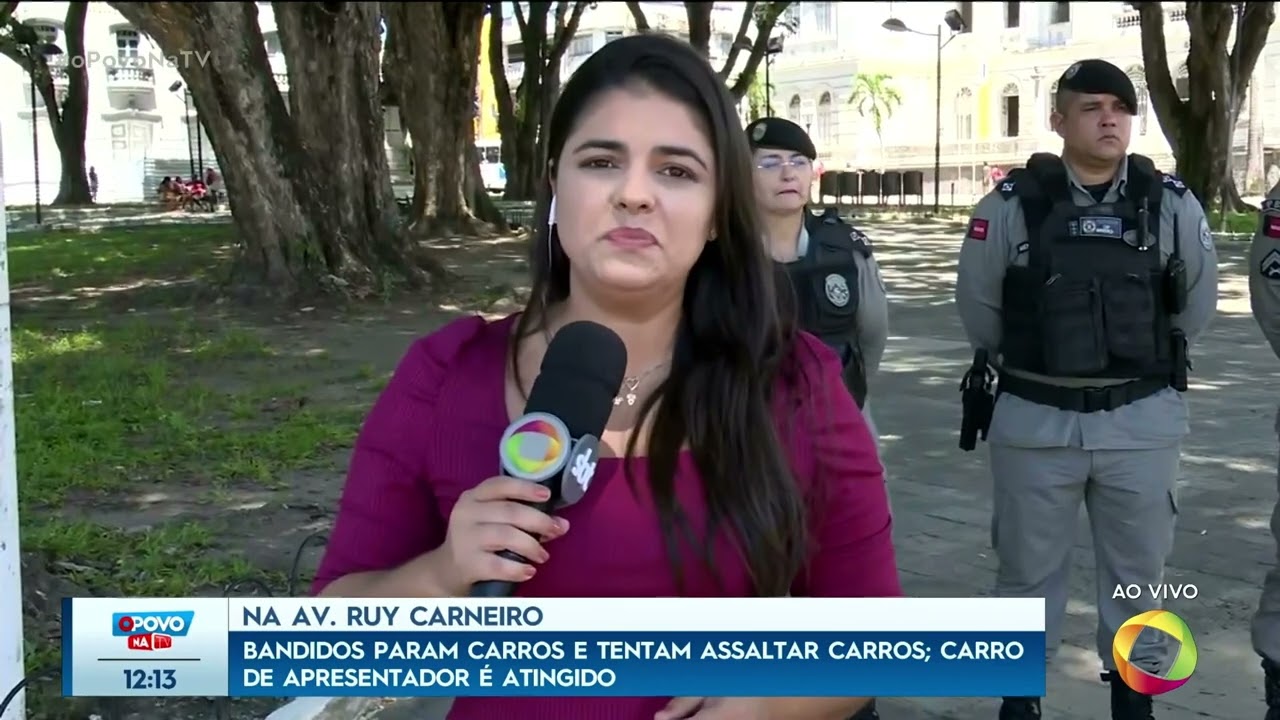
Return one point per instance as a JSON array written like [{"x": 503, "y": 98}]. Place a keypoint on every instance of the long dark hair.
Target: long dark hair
[{"x": 734, "y": 338}]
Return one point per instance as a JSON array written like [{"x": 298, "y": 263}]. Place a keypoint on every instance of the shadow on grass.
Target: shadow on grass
[{"x": 171, "y": 444}]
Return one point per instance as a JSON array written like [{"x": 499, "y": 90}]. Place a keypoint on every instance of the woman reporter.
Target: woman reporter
[{"x": 737, "y": 465}]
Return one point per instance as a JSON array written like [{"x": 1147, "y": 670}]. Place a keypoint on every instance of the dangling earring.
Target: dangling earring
[{"x": 551, "y": 229}]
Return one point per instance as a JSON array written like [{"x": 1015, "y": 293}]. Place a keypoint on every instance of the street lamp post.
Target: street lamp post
[
  {"x": 771, "y": 48},
  {"x": 46, "y": 50},
  {"x": 957, "y": 24},
  {"x": 186, "y": 108}
]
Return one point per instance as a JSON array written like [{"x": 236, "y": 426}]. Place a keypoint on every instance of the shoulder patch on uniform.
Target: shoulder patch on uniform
[
  {"x": 1270, "y": 226},
  {"x": 1008, "y": 188},
  {"x": 861, "y": 243},
  {"x": 1206, "y": 235},
  {"x": 1269, "y": 267},
  {"x": 1174, "y": 183},
  {"x": 1270, "y": 206},
  {"x": 1023, "y": 247},
  {"x": 978, "y": 229}
]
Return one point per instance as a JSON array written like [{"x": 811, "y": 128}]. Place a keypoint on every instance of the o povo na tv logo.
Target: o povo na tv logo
[
  {"x": 1185, "y": 655},
  {"x": 151, "y": 630}
]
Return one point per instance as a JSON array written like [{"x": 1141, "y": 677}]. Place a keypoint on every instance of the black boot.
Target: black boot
[
  {"x": 1272, "y": 685},
  {"x": 1126, "y": 703},
  {"x": 867, "y": 713},
  {"x": 1020, "y": 708}
]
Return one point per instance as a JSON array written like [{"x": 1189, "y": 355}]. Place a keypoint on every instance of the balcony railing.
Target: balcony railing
[
  {"x": 282, "y": 81},
  {"x": 995, "y": 149},
  {"x": 1131, "y": 18},
  {"x": 130, "y": 76}
]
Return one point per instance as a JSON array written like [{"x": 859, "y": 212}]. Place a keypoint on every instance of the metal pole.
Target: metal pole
[
  {"x": 35, "y": 143},
  {"x": 186, "y": 107},
  {"x": 937, "y": 132},
  {"x": 768, "y": 87},
  {"x": 11, "y": 652},
  {"x": 199, "y": 145}
]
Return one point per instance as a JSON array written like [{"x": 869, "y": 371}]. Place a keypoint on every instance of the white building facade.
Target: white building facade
[{"x": 997, "y": 82}]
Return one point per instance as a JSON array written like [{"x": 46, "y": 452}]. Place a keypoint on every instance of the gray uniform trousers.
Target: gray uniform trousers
[
  {"x": 1266, "y": 622},
  {"x": 1131, "y": 499}
]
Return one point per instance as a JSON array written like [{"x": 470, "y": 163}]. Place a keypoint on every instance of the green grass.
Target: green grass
[
  {"x": 62, "y": 260},
  {"x": 182, "y": 405}
]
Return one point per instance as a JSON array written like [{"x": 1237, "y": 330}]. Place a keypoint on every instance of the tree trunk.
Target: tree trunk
[
  {"x": 437, "y": 48},
  {"x": 1255, "y": 173},
  {"x": 1200, "y": 129},
  {"x": 698, "y": 15},
  {"x": 73, "y": 115},
  {"x": 309, "y": 186},
  {"x": 67, "y": 115},
  {"x": 482, "y": 205},
  {"x": 522, "y": 114}
]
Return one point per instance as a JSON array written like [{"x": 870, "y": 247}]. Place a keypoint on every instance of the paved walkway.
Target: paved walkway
[{"x": 942, "y": 495}]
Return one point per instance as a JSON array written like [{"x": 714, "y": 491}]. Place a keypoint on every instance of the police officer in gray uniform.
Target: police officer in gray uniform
[
  {"x": 839, "y": 292},
  {"x": 1264, "y": 298},
  {"x": 1088, "y": 276}
]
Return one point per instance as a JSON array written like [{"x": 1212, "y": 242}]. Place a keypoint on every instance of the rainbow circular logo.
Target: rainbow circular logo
[
  {"x": 534, "y": 446},
  {"x": 1184, "y": 663}
]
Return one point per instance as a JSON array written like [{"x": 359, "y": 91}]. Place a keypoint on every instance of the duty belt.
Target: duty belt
[{"x": 1081, "y": 400}]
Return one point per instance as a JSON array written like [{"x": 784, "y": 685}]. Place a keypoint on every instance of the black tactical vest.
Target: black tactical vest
[
  {"x": 1091, "y": 301},
  {"x": 826, "y": 284}
]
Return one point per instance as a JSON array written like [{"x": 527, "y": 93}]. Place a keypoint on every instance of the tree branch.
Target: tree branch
[
  {"x": 740, "y": 40},
  {"x": 637, "y": 14},
  {"x": 765, "y": 23},
  {"x": 521, "y": 24},
  {"x": 1169, "y": 108},
  {"x": 565, "y": 30},
  {"x": 1251, "y": 38},
  {"x": 698, "y": 17}
]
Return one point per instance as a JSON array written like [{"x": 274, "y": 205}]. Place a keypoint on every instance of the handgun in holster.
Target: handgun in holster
[{"x": 977, "y": 401}]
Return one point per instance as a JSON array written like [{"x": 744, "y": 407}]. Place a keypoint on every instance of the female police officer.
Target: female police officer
[
  {"x": 839, "y": 292},
  {"x": 838, "y": 289}
]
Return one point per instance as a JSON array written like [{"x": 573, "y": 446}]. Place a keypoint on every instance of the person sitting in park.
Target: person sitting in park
[
  {"x": 170, "y": 192},
  {"x": 648, "y": 227}
]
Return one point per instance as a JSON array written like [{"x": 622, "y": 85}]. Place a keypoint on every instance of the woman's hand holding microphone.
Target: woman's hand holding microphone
[{"x": 492, "y": 517}]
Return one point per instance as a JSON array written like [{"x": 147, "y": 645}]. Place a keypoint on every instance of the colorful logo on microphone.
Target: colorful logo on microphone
[
  {"x": 1184, "y": 657},
  {"x": 535, "y": 446}
]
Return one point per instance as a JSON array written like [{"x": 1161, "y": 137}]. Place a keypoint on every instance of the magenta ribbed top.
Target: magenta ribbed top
[{"x": 434, "y": 433}]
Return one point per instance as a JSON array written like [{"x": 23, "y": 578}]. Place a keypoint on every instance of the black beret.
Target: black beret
[
  {"x": 779, "y": 134},
  {"x": 1099, "y": 77}
]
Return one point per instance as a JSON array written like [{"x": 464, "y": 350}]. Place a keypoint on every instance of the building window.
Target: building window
[
  {"x": 127, "y": 41},
  {"x": 966, "y": 11},
  {"x": 515, "y": 53},
  {"x": 1182, "y": 83},
  {"x": 823, "y": 130},
  {"x": 1139, "y": 79},
  {"x": 272, "y": 41},
  {"x": 1061, "y": 13},
  {"x": 611, "y": 35},
  {"x": 1009, "y": 107},
  {"x": 48, "y": 34},
  {"x": 1012, "y": 14},
  {"x": 823, "y": 20},
  {"x": 581, "y": 46},
  {"x": 793, "y": 109},
  {"x": 964, "y": 114}
]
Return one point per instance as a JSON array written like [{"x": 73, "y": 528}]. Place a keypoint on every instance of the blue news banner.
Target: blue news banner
[{"x": 905, "y": 647}]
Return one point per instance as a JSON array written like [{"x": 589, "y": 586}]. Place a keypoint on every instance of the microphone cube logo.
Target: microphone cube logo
[
  {"x": 583, "y": 469},
  {"x": 151, "y": 630}
]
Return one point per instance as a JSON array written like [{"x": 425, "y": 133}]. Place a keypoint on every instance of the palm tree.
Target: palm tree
[{"x": 875, "y": 98}]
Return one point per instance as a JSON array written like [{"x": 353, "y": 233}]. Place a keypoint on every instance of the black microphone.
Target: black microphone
[{"x": 555, "y": 443}]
